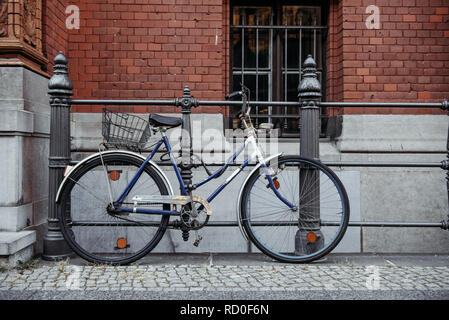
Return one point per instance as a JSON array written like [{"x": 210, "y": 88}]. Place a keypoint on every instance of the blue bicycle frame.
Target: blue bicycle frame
[{"x": 184, "y": 191}]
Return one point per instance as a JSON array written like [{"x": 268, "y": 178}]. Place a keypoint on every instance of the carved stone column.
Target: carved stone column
[{"x": 21, "y": 34}]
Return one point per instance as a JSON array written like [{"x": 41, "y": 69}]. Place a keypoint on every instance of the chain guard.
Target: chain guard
[{"x": 174, "y": 200}]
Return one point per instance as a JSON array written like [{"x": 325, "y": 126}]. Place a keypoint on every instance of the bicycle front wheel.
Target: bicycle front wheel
[
  {"x": 306, "y": 232},
  {"x": 103, "y": 237}
]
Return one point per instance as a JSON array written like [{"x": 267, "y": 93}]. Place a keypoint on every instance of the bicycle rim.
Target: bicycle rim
[
  {"x": 306, "y": 233},
  {"x": 98, "y": 236}
]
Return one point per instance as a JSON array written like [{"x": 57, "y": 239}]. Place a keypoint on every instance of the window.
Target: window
[{"x": 269, "y": 43}]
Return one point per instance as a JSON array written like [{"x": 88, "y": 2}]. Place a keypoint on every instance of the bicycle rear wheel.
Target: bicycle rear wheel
[
  {"x": 309, "y": 231},
  {"x": 102, "y": 237}
]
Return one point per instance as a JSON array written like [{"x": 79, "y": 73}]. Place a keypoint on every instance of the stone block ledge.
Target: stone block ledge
[{"x": 13, "y": 242}]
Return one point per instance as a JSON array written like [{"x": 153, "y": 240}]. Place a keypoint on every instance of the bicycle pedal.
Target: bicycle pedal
[{"x": 197, "y": 241}]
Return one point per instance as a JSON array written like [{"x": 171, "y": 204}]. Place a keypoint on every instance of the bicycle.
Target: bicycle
[{"x": 115, "y": 205}]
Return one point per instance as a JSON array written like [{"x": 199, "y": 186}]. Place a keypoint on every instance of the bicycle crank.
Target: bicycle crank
[{"x": 142, "y": 200}]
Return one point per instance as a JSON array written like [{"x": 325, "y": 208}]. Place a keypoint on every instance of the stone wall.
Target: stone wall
[
  {"x": 375, "y": 194},
  {"x": 24, "y": 141}
]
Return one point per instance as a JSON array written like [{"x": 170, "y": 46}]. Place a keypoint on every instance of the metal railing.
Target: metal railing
[{"x": 309, "y": 104}]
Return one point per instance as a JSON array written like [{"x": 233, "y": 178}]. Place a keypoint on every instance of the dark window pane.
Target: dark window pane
[
  {"x": 263, "y": 93},
  {"x": 250, "y": 48},
  {"x": 301, "y": 15},
  {"x": 237, "y": 49},
  {"x": 264, "y": 48},
  {"x": 292, "y": 91},
  {"x": 258, "y": 91},
  {"x": 251, "y": 16},
  {"x": 311, "y": 44},
  {"x": 257, "y": 57},
  {"x": 292, "y": 46}
]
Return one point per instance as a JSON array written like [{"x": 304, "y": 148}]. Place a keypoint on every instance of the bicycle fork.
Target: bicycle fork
[{"x": 111, "y": 200}]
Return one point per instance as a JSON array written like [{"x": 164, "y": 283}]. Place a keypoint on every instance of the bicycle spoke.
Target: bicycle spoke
[
  {"x": 101, "y": 236},
  {"x": 290, "y": 235}
]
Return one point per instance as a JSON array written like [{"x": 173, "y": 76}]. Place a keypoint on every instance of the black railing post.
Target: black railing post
[
  {"x": 309, "y": 94},
  {"x": 186, "y": 103},
  {"x": 60, "y": 92}
]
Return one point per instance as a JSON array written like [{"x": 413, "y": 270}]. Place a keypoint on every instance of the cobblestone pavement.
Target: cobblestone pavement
[{"x": 205, "y": 277}]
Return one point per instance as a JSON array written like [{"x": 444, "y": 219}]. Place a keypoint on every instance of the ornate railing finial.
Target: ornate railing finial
[
  {"x": 309, "y": 87},
  {"x": 60, "y": 83}
]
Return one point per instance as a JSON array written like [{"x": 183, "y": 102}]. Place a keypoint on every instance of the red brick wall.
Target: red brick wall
[
  {"x": 334, "y": 54},
  {"x": 407, "y": 59},
  {"x": 148, "y": 50},
  {"x": 152, "y": 48},
  {"x": 54, "y": 30}
]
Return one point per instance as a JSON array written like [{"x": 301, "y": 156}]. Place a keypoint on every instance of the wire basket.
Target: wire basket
[{"x": 124, "y": 130}]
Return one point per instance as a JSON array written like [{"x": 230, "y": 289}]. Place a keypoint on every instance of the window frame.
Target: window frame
[{"x": 276, "y": 85}]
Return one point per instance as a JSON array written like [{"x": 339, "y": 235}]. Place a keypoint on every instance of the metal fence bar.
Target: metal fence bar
[
  {"x": 314, "y": 38},
  {"x": 281, "y": 27},
  {"x": 300, "y": 48},
  {"x": 386, "y": 164},
  {"x": 440, "y": 165},
  {"x": 391, "y": 224},
  {"x": 175, "y": 102},
  {"x": 379, "y": 224},
  {"x": 285, "y": 71},
  {"x": 270, "y": 64},
  {"x": 125, "y": 102},
  {"x": 257, "y": 66},
  {"x": 325, "y": 223},
  {"x": 243, "y": 52},
  {"x": 441, "y": 105}
]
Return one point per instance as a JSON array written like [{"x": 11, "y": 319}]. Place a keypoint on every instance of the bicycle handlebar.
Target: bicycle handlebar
[
  {"x": 233, "y": 94},
  {"x": 243, "y": 94}
]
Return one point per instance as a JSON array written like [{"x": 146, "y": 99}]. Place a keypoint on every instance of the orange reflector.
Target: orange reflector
[
  {"x": 121, "y": 243},
  {"x": 276, "y": 184},
  {"x": 311, "y": 237},
  {"x": 114, "y": 175}
]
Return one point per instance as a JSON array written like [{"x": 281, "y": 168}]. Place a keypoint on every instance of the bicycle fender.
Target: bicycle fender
[
  {"x": 242, "y": 230},
  {"x": 71, "y": 170}
]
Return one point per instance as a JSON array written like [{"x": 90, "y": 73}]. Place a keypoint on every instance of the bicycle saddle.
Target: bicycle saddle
[{"x": 157, "y": 120}]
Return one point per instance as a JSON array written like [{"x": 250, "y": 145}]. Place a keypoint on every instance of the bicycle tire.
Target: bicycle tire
[
  {"x": 295, "y": 249},
  {"x": 86, "y": 237}
]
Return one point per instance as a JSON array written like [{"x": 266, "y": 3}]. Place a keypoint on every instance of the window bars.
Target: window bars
[{"x": 268, "y": 51}]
